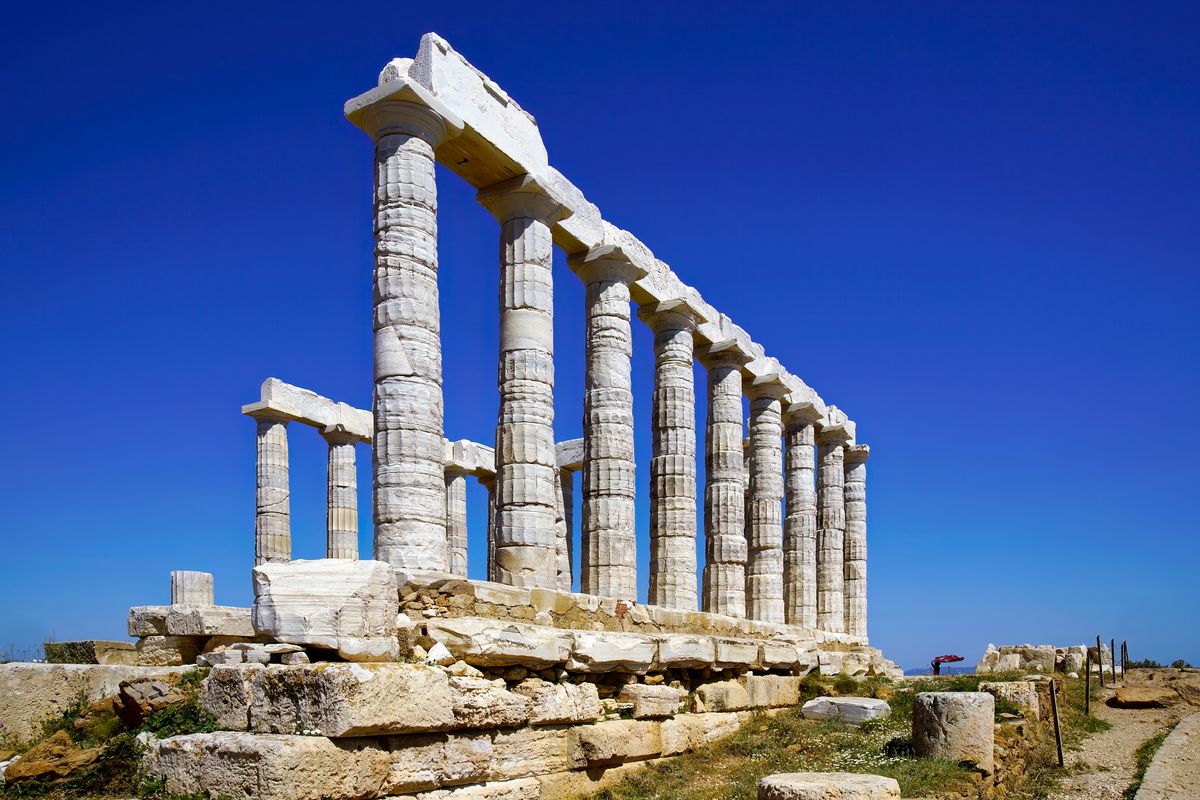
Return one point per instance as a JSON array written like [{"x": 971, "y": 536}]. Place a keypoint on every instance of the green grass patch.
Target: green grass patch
[{"x": 1144, "y": 755}]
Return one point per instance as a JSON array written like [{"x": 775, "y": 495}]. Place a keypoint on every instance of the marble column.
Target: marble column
[
  {"x": 800, "y": 522},
  {"x": 341, "y": 512},
  {"x": 562, "y": 533},
  {"x": 526, "y": 535},
  {"x": 609, "y": 539},
  {"x": 831, "y": 529},
  {"x": 566, "y": 479},
  {"x": 408, "y": 451},
  {"x": 855, "y": 546},
  {"x": 724, "y": 509},
  {"x": 190, "y": 588},
  {"x": 673, "y": 457},
  {"x": 489, "y": 483},
  {"x": 764, "y": 565},
  {"x": 456, "y": 521},
  {"x": 273, "y": 516}
]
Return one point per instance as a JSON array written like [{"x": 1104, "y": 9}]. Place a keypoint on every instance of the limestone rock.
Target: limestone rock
[
  {"x": 91, "y": 651},
  {"x": 138, "y": 699},
  {"x": 604, "y": 651},
  {"x": 772, "y": 691},
  {"x": 685, "y": 651},
  {"x": 190, "y": 620},
  {"x": 736, "y": 654},
  {"x": 491, "y": 643},
  {"x": 56, "y": 757},
  {"x": 553, "y": 703},
  {"x": 267, "y": 767},
  {"x": 956, "y": 726},
  {"x": 348, "y": 606},
  {"x": 1022, "y": 694},
  {"x": 620, "y": 740},
  {"x": 520, "y": 752},
  {"x": 652, "y": 702},
  {"x": 1143, "y": 697},
  {"x": 853, "y": 710},
  {"x": 480, "y": 703},
  {"x": 827, "y": 786},
  {"x": 426, "y": 761},
  {"x": 722, "y": 696},
  {"x": 167, "y": 651},
  {"x": 336, "y": 699}
]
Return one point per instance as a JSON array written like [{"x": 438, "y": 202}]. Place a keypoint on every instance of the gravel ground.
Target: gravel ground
[{"x": 1106, "y": 765}]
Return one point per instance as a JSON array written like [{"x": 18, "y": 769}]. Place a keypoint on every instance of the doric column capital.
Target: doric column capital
[
  {"x": 399, "y": 105},
  {"x": 804, "y": 412},
  {"x": 263, "y": 413},
  {"x": 672, "y": 315},
  {"x": 722, "y": 354},
  {"x": 337, "y": 434},
  {"x": 522, "y": 196},
  {"x": 857, "y": 454},
  {"x": 766, "y": 387},
  {"x": 831, "y": 432},
  {"x": 607, "y": 262}
]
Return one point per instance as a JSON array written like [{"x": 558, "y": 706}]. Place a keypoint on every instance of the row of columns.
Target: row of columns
[{"x": 790, "y": 569}]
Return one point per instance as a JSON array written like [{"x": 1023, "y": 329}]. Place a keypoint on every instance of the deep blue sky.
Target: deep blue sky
[{"x": 975, "y": 229}]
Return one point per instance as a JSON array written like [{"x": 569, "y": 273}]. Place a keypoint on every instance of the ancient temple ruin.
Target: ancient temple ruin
[{"x": 783, "y": 590}]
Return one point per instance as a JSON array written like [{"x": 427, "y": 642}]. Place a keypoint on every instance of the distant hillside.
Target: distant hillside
[{"x": 947, "y": 670}]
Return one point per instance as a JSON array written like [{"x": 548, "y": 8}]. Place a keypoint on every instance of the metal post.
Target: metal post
[
  {"x": 1087, "y": 686},
  {"x": 1100, "y": 659},
  {"x": 1057, "y": 730},
  {"x": 1112, "y": 651}
]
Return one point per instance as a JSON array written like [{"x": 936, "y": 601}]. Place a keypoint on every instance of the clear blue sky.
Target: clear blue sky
[{"x": 977, "y": 229}]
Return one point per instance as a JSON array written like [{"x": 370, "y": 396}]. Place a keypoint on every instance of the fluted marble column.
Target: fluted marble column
[
  {"x": 456, "y": 521},
  {"x": 526, "y": 469},
  {"x": 489, "y": 483},
  {"x": 673, "y": 457},
  {"x": 562, "y": 532},
  {"x": 855, "y": 545},
  {"x": 341, "y": 511},
  {"x": 831, "y": 529},
  {"x": 407, "y": 452},
  {"x": 609, "y": 539},
  {"x": 764, "y": 565},
  {"x": 191, "y": 588},
  {"x": 724, "y": 509},
  {"x": 566, "y": 485},
  {"x": 272, "y": 516},
  {"x": 800, "y": 522}
]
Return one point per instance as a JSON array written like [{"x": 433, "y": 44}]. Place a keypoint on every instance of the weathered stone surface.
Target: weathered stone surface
[
  {"x": 764, "y": 523},
  {"x": 91, "y": 651},
  {"x": 520, "y": 752},
  {"x": 427, "y": 761},
  {"x": 800, "y": 524},
  {"x": 831, "y": 531},
  {"x": 722, "y": 696},
  {"x": 492, "y": 643},
  {"x": 1041, "y": 658},
  {"x": 267, "y": 766},
  {"x": 56, "y": 757},
  {"x": 854, "y": 566},
  {"x": 619, "y": 740},
  {"x": 685, "y": 651},
  {"x": 736, "y": 654},
  {"x": 481, "y": 703},
  {"x": 605, "y": 651},
  {"x": 555, "y": 703},
  {"x": 854, "y": 710},
  {"x": 1143, "y": 697},
  {"x": 519, "y": 789},
  {"x": 827, "y": 786},
  {"x": 189, "y": 587},
  {"x": 167, "y": 651},
  {"x": 190, "y": 621},
  {"x": 652, "y": 702},
  {"x": 138, "y": 699},
  {"x": 336, "y": 699},
  {"x": 348, "y": 606},
  {"x": 956, "y": 726},
  {"x": 772, "y": 691},
  {"x": 341, "y": 495},
  {"x": 1022, "y": 694},
  {"x": 724, "y": 504},
  {"x": 273, "y": 518}
]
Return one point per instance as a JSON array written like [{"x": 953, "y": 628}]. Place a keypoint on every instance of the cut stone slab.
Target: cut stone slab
[
  {"x": 422, "y": 762},
  {"x": 559, "y": 703},
  {"x": 853, "y": 710},
  {"x": 1143, "y": 697},
  {"x": 492, "y": 643},
  {"x": 339, "y": 604},
  {"x": 620, "y": 740},
  {"x": 684, "y": 651},
  {"x": 339, "y": 700},
  {"x": 827, "y": 786},
  {"x": 604, "y": 651},
  {"x": 722, "y": 696},
  {"x": 91, "y": 651},
  {"x": 167, "y": 651},
  {"x": 267, "y": 767},
  {"x": 481, "y": 703},
  {"x": 188, "y": 620},
  {"x": 956, "y": 726},
  {"x": 652, "y": 702},
  {"x": 772, "y": 691}
]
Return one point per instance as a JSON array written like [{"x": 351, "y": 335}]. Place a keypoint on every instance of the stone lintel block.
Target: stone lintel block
[
  {"x": 268, "y": 767},
  {"x": 340, "y": 700},
  {"x": 618, "y": 740},
  {"x": 494, "y": 643},
  {"x": 604, "y": 651},
  {"x": 853, "y": 710},
  {"x": 569, "y": 454},
  {"x": 190, "y": 621},
  {"x": 470, "y": 458},
  {"x": 736, "y": 654},
  {"x": 309, "y": 408},
  {"x": 685, "y": 651}
]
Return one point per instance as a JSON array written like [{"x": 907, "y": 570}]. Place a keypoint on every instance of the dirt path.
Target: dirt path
[{"x": 1106, "y": 765}]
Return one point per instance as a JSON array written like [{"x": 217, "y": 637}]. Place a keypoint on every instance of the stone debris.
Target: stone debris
[
  {"x": 827, "y": 786},
  {"x": 347, "y": 606},
  {"x": 56, "y": 757},
  {"x": 138, "y": 699},
  {"x": 1022, "y": 694},
  {"x": 957, "y": 726},
  {"x": 189, "y": 620},
  {"x": 852, "y": 710},
  {"x": 1039, "y": 658}
]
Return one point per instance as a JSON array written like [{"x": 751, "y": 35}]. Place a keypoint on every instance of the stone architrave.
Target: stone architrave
[
  {"x": 673, "y": 456},
  {"x": 341, "y": 514},
  {"x": 831, "y": 529},
  {"x": 724, "y": 500},
  {"x": 190, "y": 588},
  {"x": 273, "y": 516},
  {"x": 408, "y": 449},
  {"x": 854, "y": 547},
  {"x": 456, "y": 521},
  {"x": 764, "y": 565},
  {"x": 609, "y": 539},
  {"x": 800, "y": 520},
  {"x": 526, "y": 535}
]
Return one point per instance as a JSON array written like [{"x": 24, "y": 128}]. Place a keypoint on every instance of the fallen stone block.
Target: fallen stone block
[
  {"x": 827, "y": 786},
  {"x": 555, "y": 703},
  {"x": 722, "y": 696},
  {"x": 772, "y": 691},
  {"x": 91, "y": 651},
  {"x": 852, "y": 710},
  {"x": 167, "y": 651},
  {"x": 1143, "y": 697},
  {"x": 138, "y": 699},
  {"x": 652, "y": 702},
  {"x": 604, "y": 651},
  {"x": 57, "y": 757},
  {"x": 342, "y": 605},
  {"x": 188, "y": 620},
  {"x": 491, "y": 643},
  {"x": 1022, "y": 694},
  {"x": 339, "y": 700},
  {"x": 957, "y": 726},
  {"x": 620, "y": 740},
  {"x": 267, "y": 766}
]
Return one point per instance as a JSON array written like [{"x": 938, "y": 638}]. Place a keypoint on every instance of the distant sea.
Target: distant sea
[{"x": 947, "y": 670}]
